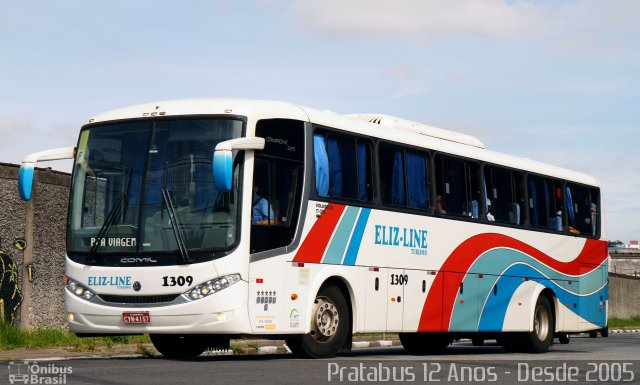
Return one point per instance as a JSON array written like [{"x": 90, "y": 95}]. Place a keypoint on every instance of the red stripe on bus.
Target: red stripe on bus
[
  {"x": 312, "y": 249},
  {"x": 442, "y": 294}
]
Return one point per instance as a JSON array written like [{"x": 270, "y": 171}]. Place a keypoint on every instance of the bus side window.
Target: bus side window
[
  {"x": 546, "y": 203},
  {"x": 457, "y": 183},
  {"x": 504, "y": 193},
  {"x": 582, "y": 209},
  {"x": 404, "y": 178},
  {"x": 342, "y": 167}
]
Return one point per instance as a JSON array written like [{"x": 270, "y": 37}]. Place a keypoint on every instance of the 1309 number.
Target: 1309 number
[
  {"x": 179, "y": 280},
  {"x": 399, "y": 279}
]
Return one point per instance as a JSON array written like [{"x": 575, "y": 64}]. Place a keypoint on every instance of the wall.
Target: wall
[
  {"x": 41, "y": 225},
  {"x": 628, "y": 263},
  {"x": 624, "y": 296}
]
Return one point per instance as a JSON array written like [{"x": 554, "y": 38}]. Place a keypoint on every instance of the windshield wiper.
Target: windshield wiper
[
  {"x": 177, "y": 231},
  {"x": 107, "y": 224}
]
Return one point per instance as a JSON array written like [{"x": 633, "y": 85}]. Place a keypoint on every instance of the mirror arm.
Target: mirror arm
[{"x": 253, "y": 143}]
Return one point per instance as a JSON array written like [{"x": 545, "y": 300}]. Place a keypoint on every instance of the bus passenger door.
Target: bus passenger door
[
  {"x": 375, "y": 300},
  {"x": 395, "y": 299}
]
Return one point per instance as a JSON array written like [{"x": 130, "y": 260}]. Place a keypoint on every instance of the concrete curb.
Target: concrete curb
[{"x": 241, "y": 350}]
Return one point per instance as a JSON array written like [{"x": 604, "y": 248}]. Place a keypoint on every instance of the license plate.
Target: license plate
[{"x": 136, "y": 317}]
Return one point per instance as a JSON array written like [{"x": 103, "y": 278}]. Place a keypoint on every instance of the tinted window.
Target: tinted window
[
  {"x": 546, "y": 203},
  {"x": 404, "y": 177},
  {"x": 505, "y": 195},
  {"x": 342, "y": 167},
  {"x": 457, "y": 187},
  {"x": 277, "y": 184},
  {"x": 582, "y": 209}
]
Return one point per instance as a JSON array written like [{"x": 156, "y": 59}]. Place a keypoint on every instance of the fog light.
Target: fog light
[
  {"x": 70, "y": 317},
  {"x": 221, "y": 316}
]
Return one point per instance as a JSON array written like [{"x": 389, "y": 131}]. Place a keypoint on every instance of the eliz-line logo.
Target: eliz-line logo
[{"x": 33, "y": 373}]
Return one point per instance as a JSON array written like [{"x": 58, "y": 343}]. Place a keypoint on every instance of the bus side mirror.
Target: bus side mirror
[
  {"x": 223, "y": 159},
  {"x": 25, "y": 181},
  {"x": 25, "y": 175},
  {"x": 222, "y": 170}
]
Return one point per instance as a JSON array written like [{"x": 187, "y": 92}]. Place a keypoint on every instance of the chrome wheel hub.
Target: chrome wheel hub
[
  {"x": 326, "y": 319},
  {"x": 541, "y": 323}
]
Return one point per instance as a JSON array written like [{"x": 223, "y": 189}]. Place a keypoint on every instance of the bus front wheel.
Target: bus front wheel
[
  {"x": 179, "y": 346},
  {"x": 330, "y": 326}
]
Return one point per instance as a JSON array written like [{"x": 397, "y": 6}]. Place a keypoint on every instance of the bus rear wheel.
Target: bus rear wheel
[
  {"x": 179, "y": 346},
  {"x": 541, "y": 337},
  {"x": 330, "y": 326},
  {"x": 425, "y": 343},
  {"x": 564, "y": 338}
]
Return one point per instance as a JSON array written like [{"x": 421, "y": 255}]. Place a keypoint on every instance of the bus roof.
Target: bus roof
[{"x": 376, "y": 125}]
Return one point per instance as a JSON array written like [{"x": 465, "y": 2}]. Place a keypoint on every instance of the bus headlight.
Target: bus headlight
[
  {"x": 78, "y": 290},
  {"x": 212, "y": 286}
]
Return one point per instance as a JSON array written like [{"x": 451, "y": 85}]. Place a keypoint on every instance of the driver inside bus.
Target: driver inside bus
[{"x": 262, "y": 212}]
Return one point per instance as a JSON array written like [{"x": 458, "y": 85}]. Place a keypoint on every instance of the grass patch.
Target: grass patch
[
  {"x": 237, "y": 350},
  {"x": 141, "y": 349},
  {"x": 12, "y": 337},
  {"x": 621, "y": 323}
]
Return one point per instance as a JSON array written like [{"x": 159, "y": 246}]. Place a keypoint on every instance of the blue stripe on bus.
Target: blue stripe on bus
[
  {"x": 589, "y": 307},
  {"x": 356, "y": 238},
  {"x": 341, "y": 237}
]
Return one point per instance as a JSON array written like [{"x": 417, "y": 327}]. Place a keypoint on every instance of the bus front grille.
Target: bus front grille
[{"x": 138, "y": 299}]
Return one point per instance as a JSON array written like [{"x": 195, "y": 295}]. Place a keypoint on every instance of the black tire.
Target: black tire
[
  {"x": 593, "y": 334},
  {"x": 605, "y": 331},
  {"x": 541, "y": 338},
  {"x": 330, "y": 326},
  {"x": 564, "y": 338},
  {"x": 425, "y": 343},
  {"x": 179, "y": 346},
  {"x": 477, "y": 341}
]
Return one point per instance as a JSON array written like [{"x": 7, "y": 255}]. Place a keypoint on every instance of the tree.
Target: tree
[{"x": 617, "y": 243}]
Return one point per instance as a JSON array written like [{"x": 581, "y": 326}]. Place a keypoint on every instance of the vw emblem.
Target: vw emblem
[{"x": 137, "y": 286}]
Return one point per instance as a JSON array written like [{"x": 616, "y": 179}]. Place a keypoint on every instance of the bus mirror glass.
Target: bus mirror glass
[
  {"x": 222, "y": 170},
  {"x": 25, "y": 181}
]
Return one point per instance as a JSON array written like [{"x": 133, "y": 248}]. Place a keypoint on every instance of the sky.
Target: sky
[{"x": 555, "y": 81}]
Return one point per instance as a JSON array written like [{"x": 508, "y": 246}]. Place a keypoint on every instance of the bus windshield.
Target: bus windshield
[{"x": 146, "y": 187}]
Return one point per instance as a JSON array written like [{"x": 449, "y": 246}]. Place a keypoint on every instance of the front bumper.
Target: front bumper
[{"x": 224, "y": 312}]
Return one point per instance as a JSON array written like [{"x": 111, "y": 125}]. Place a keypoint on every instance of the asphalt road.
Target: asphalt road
[{"x": 603, "y": 360}]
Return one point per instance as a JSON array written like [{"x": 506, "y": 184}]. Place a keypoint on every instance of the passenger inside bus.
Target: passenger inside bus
[
  {"x": 262, "y": 212},
  {"x": 440, "y": 207}
]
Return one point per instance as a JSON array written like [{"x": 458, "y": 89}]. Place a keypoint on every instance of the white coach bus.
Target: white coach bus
[{"x": 197, "y": 221}]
